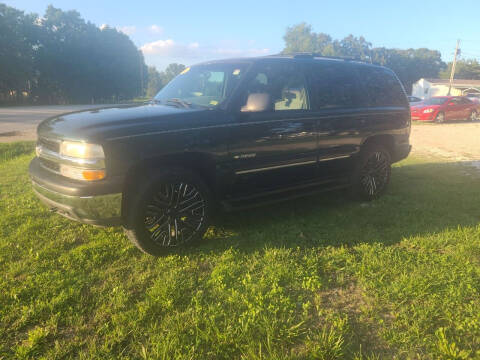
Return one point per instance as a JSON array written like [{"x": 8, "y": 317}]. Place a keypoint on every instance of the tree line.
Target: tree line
[{"x": 60, "y": 58}]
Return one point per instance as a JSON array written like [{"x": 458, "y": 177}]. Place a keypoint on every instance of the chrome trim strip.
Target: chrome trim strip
[
  {"x": 289, "y": 165},
  {"x": 67, "y": 160},
  {"x": 274, "y": 167},
  {"x": 334, "y": 158}
]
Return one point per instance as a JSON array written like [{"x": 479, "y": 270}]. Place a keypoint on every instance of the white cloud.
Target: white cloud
[
  {"x": 162, "y": 52},
  {"x": 170, "y": 48},
  {"x": 155, "y": 29},
  {"x": 127, "y": 30}
]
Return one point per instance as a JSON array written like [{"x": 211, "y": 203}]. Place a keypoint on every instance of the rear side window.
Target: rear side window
[
  {"x": 332, "y": 86},
  {"x": 381, "y": 87}
]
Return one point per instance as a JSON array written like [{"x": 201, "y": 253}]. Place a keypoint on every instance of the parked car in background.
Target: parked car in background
[
  {"x": 446, "y": 108},
  {"x": 413, "y": 100},
  {"x": 474, "y": 97},
  {"x": 224, "y": 134}
]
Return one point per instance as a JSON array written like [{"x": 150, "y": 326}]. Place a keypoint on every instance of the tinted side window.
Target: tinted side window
[
  {"x": 283, "y": 83},
  {"x": 333, "y": 86},
  {"x": 381, "y": 87}
]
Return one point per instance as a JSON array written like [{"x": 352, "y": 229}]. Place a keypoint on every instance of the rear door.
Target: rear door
[
  {"x": 335, "y": 99},
  {"x": 276, "y": 147},
  {"x": 467, "y": 107},
  {"x": 453, "y": 109}
]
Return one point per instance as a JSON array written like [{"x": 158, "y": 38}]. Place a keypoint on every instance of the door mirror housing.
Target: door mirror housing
[{"x": 258, "y": 102}]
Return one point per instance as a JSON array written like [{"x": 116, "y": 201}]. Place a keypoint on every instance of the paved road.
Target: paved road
[{"x": 20, "y": 122}]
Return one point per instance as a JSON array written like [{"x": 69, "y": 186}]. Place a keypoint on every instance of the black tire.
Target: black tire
[
  {"x": 440, "y": 118},
  {"x": 372, "y": 172},
  {"x": 473, "y": 115},
  {"x": 169, "y": 210}
]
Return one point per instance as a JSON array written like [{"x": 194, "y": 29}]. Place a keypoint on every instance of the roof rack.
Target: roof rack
[{"x": 311, "y": 55}]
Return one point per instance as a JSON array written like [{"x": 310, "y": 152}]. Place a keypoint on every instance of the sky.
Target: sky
[{"x": 188, "y": 31}]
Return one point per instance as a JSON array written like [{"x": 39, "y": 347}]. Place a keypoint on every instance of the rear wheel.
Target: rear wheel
[
  {"x": 440, "y": 118},
  {"x": 473, "y": 116},
  {"x": 170, "y": 210},
  {"x": 372, "y": 172}
]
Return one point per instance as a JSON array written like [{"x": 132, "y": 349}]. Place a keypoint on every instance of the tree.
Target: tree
[
  {"x": 464, "y": 69},
  {"x": 171, "y": 71},
  {"x": 154, "y": 82},
  {"x": 17, "y": 47},
  {"x": 409, "y": 65},
  {"x": 157, "y": 80},
  {"x": 78, "y": 62},
  {"x": 300, "y": 38},
  {"x": 61, "y": 58}
]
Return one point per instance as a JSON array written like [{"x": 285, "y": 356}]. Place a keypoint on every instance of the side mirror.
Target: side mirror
[
  {"x": 451, "y": 104},
  {"x": 257, "y": 102}
]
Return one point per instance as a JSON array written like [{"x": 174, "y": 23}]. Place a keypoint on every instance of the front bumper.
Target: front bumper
[
  {"x": 99, "y": 206},
  {"x": 420, "y": 116}
]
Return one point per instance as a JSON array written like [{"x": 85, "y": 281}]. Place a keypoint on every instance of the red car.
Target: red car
[{"x": 443, "y": 108}]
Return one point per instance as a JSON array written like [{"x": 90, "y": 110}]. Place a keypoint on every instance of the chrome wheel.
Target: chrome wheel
[
  {"x": 473, "y": 116},
  {"x": 375, "y": 173},
  {"x": 175, "y": 214},
  {"x": 440, "y": 118}
]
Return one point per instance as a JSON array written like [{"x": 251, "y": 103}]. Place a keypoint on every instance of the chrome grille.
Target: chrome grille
[
  {"x": 50, "y": 165},
  {"x": 49, "y": 144}
]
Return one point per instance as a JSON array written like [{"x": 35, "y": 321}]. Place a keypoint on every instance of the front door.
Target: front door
[{"x": 275, "y": 145}]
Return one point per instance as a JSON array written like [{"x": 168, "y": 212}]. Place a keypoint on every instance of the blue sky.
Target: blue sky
[{"x": 193, "y": 31}]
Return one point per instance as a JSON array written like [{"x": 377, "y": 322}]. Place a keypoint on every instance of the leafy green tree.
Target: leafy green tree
[
  {"x": 17, "y": 47},
  {"x": 155, "y": 82},
  {"x": 171, "y": 71},
  {"x": 409, "y": 65},
  {"x": 464, "y": 69},
  {"x": 78, "y": 62},
  {"x": 300, "y": 38}
]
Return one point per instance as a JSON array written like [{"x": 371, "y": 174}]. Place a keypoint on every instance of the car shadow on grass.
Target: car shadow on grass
[{"x": 423, "y": 198}]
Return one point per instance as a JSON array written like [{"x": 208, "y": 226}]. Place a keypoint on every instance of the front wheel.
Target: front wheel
[
  {"x": 473, "y": 116},
  {"x": 440, "y": 118},
  {"x": 372, "y": 172},
  {"x": 170, "y": 210}
]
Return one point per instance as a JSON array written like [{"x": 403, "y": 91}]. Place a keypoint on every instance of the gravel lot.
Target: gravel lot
[{"x": 455, "y": 141}]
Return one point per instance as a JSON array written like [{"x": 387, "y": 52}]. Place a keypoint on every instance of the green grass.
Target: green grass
[{"x": 317, "y": 278}]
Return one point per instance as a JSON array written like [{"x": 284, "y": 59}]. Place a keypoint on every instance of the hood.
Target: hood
[
  {"x": 105, "y": 123},
  {"x": 423, "y": 106}
]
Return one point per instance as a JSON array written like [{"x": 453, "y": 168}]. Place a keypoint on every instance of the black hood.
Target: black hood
[{"x": 106, "y": 123}]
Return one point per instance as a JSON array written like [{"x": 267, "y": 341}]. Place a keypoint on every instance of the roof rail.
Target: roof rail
[{"x": 311, "y": 55}]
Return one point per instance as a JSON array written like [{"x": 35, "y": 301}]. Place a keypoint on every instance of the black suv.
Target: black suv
[{"x": 224, "y": 134}]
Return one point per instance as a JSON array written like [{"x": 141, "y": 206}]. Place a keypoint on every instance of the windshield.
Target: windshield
[
  {"x": 435, "y": 101},
  {"x": 202, "y": 85}
]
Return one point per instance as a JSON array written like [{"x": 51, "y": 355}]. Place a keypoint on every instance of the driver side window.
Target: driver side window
[{"x": 280, "y": 87}]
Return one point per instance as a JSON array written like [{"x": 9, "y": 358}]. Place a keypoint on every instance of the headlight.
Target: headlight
[
  {"x": 82, "y": 161},
  {"x": 426, "y": 111},
  {"x": 81, "y": 150}
]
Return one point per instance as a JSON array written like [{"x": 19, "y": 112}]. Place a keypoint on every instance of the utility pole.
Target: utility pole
[{"x": 452, "y": 74}]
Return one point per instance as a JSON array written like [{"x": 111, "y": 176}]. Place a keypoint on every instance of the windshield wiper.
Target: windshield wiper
[{"x": 178, "y": 101}]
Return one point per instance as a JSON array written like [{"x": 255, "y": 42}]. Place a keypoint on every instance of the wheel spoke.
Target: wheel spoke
[{"x": 174, "y": 214}]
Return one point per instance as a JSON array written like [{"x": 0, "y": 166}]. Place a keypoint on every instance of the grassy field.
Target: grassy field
[{"x": 317, "y": 278}]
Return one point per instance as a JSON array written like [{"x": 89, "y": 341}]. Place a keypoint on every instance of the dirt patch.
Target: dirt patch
[{"x": 456, "y": 141}]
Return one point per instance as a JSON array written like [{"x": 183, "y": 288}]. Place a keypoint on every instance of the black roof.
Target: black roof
[{"x": 293, "y": 57}]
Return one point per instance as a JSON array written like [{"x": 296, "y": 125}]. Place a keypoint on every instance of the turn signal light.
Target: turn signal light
[{"x": 91, "y": 175}]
